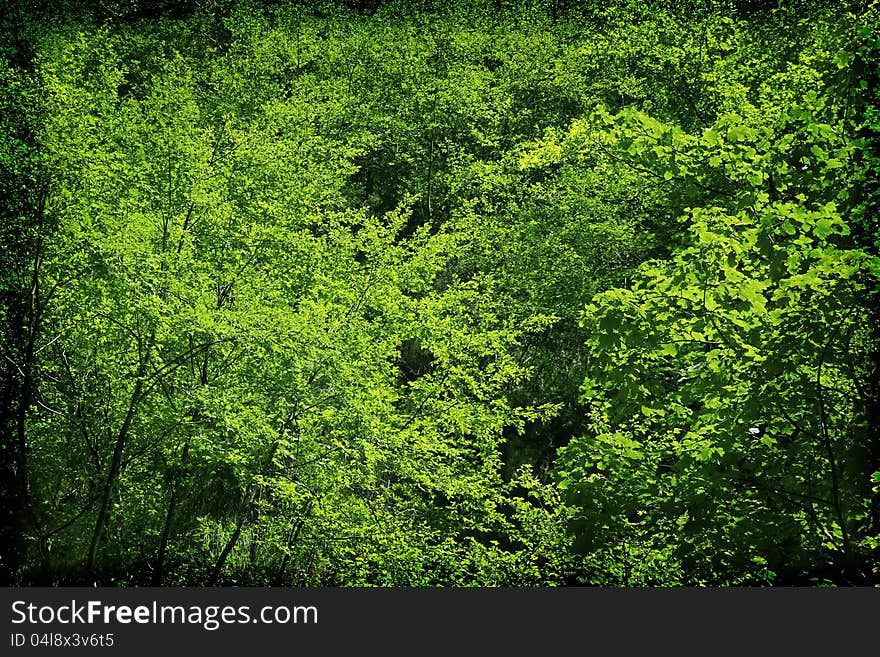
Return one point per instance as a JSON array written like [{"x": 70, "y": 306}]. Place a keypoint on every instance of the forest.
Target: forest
[{"x": 493, "y": 293}]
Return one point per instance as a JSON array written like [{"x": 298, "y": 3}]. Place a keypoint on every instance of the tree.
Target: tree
[{"x": 730, "y": 394}]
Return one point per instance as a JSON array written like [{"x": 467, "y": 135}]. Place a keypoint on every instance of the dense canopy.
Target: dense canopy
[{"x": 440, "y": 294}]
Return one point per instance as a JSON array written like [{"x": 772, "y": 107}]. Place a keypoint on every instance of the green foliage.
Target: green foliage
[
  {"x": 731, "y": 435},
  {"x": 222, "y": 369},
  {"x": 311, "y": 284}
]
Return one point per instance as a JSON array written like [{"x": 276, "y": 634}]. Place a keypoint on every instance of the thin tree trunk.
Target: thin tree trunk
[
  {"x": 158, "y": 570},
  {"x": 291, "y": 541},
  {"x": 251, "y": 497},
  {"x": 116, "y": 462},
  {"x": 32, "y": 315},
  {"x": 233, "y": 540}
]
